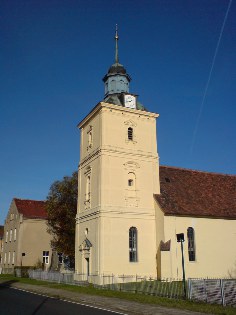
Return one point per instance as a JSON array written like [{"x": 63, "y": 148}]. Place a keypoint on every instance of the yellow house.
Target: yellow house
[
  {"x": 26, "y": 240},
  {"x": 130, "y": 208}
]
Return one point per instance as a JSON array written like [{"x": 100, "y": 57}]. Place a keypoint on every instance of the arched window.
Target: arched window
[
  {"x": 131, "y": 180},
  {"x": 130, "y": 133},
  {"x": 133, "y": 253},
  {"x": 191, "y": 244}
]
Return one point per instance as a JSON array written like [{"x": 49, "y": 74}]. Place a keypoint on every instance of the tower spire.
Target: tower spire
[{"x": 116, "y": 39}]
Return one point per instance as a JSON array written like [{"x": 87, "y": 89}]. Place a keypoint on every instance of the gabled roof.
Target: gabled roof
[
  {"x": 187, "y": 192},
  {"x": 31, "y": 208},
  {"x": 1, "y": 231}
]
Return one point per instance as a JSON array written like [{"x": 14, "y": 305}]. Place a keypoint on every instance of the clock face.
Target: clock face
[{"x": 130, "y": 101}]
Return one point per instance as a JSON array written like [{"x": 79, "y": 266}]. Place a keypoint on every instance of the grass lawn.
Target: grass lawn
[{"x": 172, "y": 303}]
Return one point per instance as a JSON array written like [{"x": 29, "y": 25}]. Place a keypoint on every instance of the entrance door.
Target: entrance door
[{"x": 87, "y": 260}]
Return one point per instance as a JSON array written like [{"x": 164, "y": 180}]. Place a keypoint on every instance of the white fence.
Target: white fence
[
  {"x": 219, "y": 291},
  {"x": 52, "y": 276}
]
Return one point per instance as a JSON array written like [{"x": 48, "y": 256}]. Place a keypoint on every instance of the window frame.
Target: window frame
[
  {"x": 133, "y": 244},
  {"x": 191, "y": 244},
  {"x": 46, "y": 257}
]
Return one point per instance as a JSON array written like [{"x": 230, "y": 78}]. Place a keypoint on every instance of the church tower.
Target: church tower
[{"x": 117, "y": 178}]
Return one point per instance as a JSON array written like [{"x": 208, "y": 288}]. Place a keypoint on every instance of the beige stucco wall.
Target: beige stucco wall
[
  {"x": 114, "y": 206},
  {"x": 215, "y": 241}
]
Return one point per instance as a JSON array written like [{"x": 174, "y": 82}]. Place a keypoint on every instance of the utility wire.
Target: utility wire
[{"x": 208, "y": 81}]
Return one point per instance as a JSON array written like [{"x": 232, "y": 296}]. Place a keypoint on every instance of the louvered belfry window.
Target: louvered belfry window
[{"x": 130, "y": 133}]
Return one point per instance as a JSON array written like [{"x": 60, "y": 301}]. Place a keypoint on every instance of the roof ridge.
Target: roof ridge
[
  {"x": 28, "y": 199},
  {"x": 197, "y": 171}
]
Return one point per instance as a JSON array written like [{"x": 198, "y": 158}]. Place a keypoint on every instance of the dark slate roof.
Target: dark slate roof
[
  {"x": 117, "y": 68},
  {"x": 31, "y": 208},
  {"x": 1, "y": 231},
  {"x": 187, "y": 192}
]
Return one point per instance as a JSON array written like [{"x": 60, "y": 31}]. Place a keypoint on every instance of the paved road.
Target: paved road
[
  {"x": 17, "y": 302},
  {"x": 98, "y": 304}
]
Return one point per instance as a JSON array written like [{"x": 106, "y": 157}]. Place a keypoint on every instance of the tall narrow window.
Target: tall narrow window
[
  {"x": 191, "y": 244},
  {"x": 10, "y": 235},
  {"x": 133, "y": 254},
  {"x": 130, "y": 133},
  {"x": 90, "y": 139},
  {"x": 46, "y": 257},
  {"x": 88, "y": 183},
  {"x": 6, "y": 236},
  {"x": 9, "y": 257},
  {"x": 13, "y": 258},
  {"x": 15, "y": 235}
]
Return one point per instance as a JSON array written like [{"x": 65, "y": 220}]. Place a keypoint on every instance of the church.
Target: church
[{"x": 130, "y": 208}]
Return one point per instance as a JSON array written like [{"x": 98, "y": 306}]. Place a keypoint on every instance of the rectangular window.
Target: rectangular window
[
  {"x": 15, "y": 235},
  {"x": 46, "y": 257},
  {"x": 9, "y": 257},
  {"x": 60, "y": 258},
  {"x": 5, "y": 258},
  {"x": 6, "y": 236},
  {"x": 10, "y": 236}
]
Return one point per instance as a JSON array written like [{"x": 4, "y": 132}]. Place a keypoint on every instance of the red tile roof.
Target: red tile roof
[
  {"x": 194, "y": 193},
  {"x": 31, "y": 208}
]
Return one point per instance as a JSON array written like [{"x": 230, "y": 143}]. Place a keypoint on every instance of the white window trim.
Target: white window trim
[{"x": 46, "y": 257}]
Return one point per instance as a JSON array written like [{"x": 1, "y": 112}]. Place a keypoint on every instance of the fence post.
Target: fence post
[
  {"x": 189, "y": 289},
  {"x": 205, "y": 289},
  {"x": 222, "y": 291}
]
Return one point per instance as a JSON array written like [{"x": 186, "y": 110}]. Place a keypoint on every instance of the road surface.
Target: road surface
[{"x": 18, "y": 302}]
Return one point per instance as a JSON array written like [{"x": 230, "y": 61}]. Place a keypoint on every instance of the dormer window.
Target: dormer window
[{"x": 130, "y": 134}]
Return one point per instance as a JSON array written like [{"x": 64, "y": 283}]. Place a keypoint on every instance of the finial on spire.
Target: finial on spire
[{"x": 116, "y": 39}]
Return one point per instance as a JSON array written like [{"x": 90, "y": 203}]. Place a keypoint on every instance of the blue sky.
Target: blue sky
[{"x": 54, "y": 54}]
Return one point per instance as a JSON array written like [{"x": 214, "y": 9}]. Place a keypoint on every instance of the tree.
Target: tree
[{"x": 61, "y": 207}]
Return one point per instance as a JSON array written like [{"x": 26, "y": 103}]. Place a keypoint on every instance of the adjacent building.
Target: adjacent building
[
  {"x": 26, "y": 241},
  {"x": 130, "y": 208}
]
